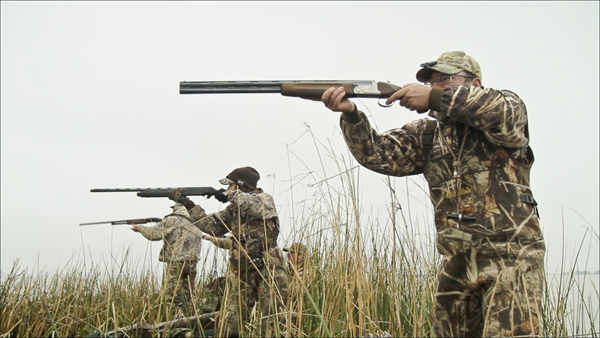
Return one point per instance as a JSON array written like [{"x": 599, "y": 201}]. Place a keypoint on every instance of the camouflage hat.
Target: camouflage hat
[
  {"x": 179, "y": 209},
  {"x": 244, "y": 177},
  {"x": 449, "y": 63},
  {"x": 297, "y": 248}
]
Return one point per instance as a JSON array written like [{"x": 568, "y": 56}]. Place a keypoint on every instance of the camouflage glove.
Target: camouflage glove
[
  {"x": 219, "y": 196},
  {"x": 176, "y": 196}
]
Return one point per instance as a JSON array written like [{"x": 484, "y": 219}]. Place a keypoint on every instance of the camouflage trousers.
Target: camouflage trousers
[
  {"x": 266, "y": 288},
  {"x": 180, "y": 279},
  {"x": 491, "y": 290}
]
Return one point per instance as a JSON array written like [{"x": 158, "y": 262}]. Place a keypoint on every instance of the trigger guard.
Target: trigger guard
[{"x": 384, "y": 105}]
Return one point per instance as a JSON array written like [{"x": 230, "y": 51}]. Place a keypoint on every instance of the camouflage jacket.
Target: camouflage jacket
[
  {"x": 252, "y": 220},
  {"x": 181, "y": 239},
  {"x": 484, "y": 130}
]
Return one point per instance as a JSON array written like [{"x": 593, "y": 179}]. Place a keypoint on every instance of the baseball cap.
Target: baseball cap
[{"x": 449, "y": 63}]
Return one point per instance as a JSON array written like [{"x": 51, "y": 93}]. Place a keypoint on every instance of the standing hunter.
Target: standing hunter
[
  {"x": 259, "y": 274},
  {"x": 476, "y": 158},
  {"x": 181, "y": 252}
]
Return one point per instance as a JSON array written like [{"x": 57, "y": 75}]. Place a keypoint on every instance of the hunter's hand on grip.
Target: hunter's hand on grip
[{"x": 220, "y": 196}]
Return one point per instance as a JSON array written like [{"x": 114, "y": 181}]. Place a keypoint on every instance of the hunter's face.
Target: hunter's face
[
  {"x": 441, "y": 80},
  {"x": 232, "y": 187},
  {"x": 295, "y": 257}
]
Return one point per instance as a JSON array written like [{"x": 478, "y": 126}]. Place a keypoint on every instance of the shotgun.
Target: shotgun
[
  {"x": 127, "y": 221},
  {"x": 164, "y": 192},
  {"x": 312, "y": 90}
]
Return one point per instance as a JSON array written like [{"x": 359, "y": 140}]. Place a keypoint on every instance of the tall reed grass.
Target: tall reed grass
[{"x": 366, "y": 273}]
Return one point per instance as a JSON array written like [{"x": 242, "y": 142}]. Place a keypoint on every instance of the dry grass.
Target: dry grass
[{"x": 366, "y": 274}]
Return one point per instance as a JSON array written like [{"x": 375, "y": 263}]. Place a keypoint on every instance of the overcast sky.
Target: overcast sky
[{"x": 90, "y": 99}]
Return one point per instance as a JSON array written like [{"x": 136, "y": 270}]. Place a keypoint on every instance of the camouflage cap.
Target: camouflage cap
[
  {"x": 244, "y": 177},
  {"x": 226, "y": 181},
  {"x": 179, "y": 209},
  {"x": 449, "y": 63},
  {"x": 297, "y": 248}
]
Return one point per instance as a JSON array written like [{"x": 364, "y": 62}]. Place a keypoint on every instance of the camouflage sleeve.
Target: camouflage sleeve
[
  {"x": 223, "y": 243},
  {"x": 213, "y": 224},
  {"x": 259, "y": 205},
  {"x": 158, "y": 232},
  {"x": 501, "y": 115},
  {"x": 396, "y": 152}
]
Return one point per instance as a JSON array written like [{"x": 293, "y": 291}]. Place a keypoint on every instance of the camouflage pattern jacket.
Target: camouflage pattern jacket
[
  {"x": 479, "y": 133},
  {"x": 252, "y": 220},
  {"x": 181, "y": 239}
]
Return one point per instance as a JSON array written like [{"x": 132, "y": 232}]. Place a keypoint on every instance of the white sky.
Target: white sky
[{"x": 90, "y": 99}]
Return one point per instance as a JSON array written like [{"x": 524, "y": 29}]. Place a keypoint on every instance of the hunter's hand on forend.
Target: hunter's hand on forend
[
  {"x": 175, "y": 196},
  {"x": 333, "y": 98}
]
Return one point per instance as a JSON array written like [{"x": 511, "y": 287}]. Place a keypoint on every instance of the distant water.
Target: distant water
[{"x": 583, "y": 300}]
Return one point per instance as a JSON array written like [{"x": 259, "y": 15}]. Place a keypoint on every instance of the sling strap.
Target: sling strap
[{"x": 427, "y": 138}]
